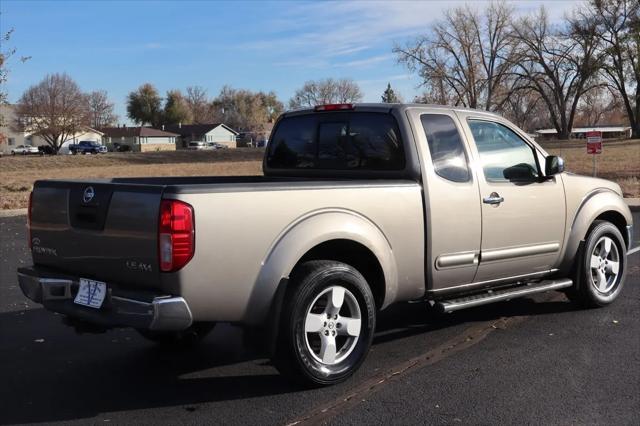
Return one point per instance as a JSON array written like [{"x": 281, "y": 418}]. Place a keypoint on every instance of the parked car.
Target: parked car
[
  {"x": 46, "y": 150},
  {"x": 360, "y": 207},
  {"x": 87, "y": 147},
  {"x": 118, "y": 147},
  {"x": 197, "y": 145},
  {"x": 25, "y": 150},
  {"x": 215, "y": 145}
]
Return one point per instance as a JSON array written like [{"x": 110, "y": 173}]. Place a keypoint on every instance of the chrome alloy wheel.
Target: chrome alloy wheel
[
  {"x": 605, "y": 265},
  {"x": 332, "y": 325}
]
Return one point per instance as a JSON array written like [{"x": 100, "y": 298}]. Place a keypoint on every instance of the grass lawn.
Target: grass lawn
[
  {"x": 619, "y": 162},
  {"x": 18, "y": 173}
]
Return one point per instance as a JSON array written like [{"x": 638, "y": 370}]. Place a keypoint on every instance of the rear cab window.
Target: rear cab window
[
  {"x": 337, "y": 141},
  {"x": 446, "y": 148}
]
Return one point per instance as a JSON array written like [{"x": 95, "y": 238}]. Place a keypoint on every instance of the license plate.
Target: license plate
[{"x": 91, "y": 293}]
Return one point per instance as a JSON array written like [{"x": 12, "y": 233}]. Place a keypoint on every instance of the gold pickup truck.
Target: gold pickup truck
[{"x": 360, "y": 206}]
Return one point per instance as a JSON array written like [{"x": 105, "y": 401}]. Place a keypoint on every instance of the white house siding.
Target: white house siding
[
  {"x": 8, "y": 138},
  {"x": 124, "y": 140},
  {"x": 222, "y": 136},
  {"x": 157, "y": 143},
  {"x": 85, "y": 135}
]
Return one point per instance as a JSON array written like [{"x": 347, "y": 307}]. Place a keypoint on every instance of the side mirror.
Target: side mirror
[{"x": 553, "y": 165}]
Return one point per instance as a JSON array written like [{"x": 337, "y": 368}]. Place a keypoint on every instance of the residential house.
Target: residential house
[
  {"x": 9, "y": 139},
  {"x": 139, "y": 139},
  {"x": 214, "y": 132},
  {"x": 608, "y": 132},
  {"x": 84, "y": 134}
]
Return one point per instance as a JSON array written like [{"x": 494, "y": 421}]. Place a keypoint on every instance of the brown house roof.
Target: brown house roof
[
  {"x": 196, "y": 129},
  {"x": 150, "y": 132}
]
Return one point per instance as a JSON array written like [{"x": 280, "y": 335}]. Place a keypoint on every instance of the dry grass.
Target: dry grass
[
  {"x": 620, "y": 162},
  {"x": 17, "y": 174}
]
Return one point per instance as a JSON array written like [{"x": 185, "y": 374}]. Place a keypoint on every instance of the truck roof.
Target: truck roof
[{"x": 384, "y": 107}]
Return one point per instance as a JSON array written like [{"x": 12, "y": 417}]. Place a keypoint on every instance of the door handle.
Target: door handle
[{"x": 493, "y": 199}]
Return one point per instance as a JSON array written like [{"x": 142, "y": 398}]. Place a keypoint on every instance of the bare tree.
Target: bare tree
[
  {"x": 437, "y": 93},
  {"x": 5, "y": 56},
  {"x": 619, "y": 32},
  {"x": 328, "y": 91},
  {"x": 245, "y": 110},
  {"x": 465, "y": 57},
  {"x": 100, "y": 110},
  {"x": 598, "y": 106},
  {"x": 54, "y": 109},
  {"x": 199, "y": 105},
  {"x": 525, "y": 108},
  {"x": 560, "y": 65}
]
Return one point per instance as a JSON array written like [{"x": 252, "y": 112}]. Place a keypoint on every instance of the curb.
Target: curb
[{"x": 12, "y": 213}]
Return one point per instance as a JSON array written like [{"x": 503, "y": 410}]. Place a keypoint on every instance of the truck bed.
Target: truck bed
[{"x": 114, "y": 236}]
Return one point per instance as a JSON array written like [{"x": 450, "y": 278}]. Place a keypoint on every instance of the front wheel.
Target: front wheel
[
  {"x": 600, "y": 273},
  {"x": 327, "y": 323}
]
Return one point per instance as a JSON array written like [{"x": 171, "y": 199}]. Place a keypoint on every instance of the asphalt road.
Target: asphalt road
[{"x": 529, "y": 361}]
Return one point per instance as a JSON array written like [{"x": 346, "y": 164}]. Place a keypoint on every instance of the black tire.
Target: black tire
[
  {"x": 294, "y": 356},
  {"x": 184, "y": 338},
  {"x": 586, "y": 290}
]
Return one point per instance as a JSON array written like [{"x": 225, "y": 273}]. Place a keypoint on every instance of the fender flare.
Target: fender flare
[
  {"x": 594, "y": 204},
  {"x": 304, "y": 234}
]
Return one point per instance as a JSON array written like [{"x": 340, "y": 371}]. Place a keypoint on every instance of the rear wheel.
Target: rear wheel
[
  {"x": 191, "y": 336},
  {"x": 599, "y": 276},
  {"x": 327, "y": 323}
]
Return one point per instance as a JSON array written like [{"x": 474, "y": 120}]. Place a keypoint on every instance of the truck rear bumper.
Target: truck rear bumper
[{"x": 120, "y": 308}]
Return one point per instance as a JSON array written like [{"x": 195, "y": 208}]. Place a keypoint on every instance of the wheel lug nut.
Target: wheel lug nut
[
  {"x": 326, "y": 333},
  {"x": 338, "y": 325},
  {"x": 333, "y": 333}
]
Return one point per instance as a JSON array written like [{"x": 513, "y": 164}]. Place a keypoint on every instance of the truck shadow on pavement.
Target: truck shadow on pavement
[{"x": 49, "y": 373}]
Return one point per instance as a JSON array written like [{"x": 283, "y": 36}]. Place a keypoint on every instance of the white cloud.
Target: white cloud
[
  {"x": 332, "y": 33},
  {"x": 366, "y": 62}
]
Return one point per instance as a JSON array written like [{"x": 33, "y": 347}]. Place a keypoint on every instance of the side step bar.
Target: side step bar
[{"x": 491, "y": 296}]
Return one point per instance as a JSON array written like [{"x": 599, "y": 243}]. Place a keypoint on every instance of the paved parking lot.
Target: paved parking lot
[{"x": 533, "y": 360}]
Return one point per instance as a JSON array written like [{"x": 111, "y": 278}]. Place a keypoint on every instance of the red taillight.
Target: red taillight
[
  {"x": 29, "y": 218},
  {"x": 176, "y": 235},
  {"x": 333, "y": 107}
]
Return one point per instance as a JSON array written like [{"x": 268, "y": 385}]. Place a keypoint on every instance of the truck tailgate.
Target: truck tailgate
[{"x": 100, "y": 230}]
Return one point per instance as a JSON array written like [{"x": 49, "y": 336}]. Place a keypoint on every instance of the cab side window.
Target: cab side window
[
  {"x": 446, "y": 148},
  {"x": 503, "y": 154}
]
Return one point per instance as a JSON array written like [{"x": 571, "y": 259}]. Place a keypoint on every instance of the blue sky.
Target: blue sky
[{"x": 257, "y": 45}]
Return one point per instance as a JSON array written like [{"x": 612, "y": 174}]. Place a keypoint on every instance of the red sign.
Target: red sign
[{"x": 594, "y": 142}]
